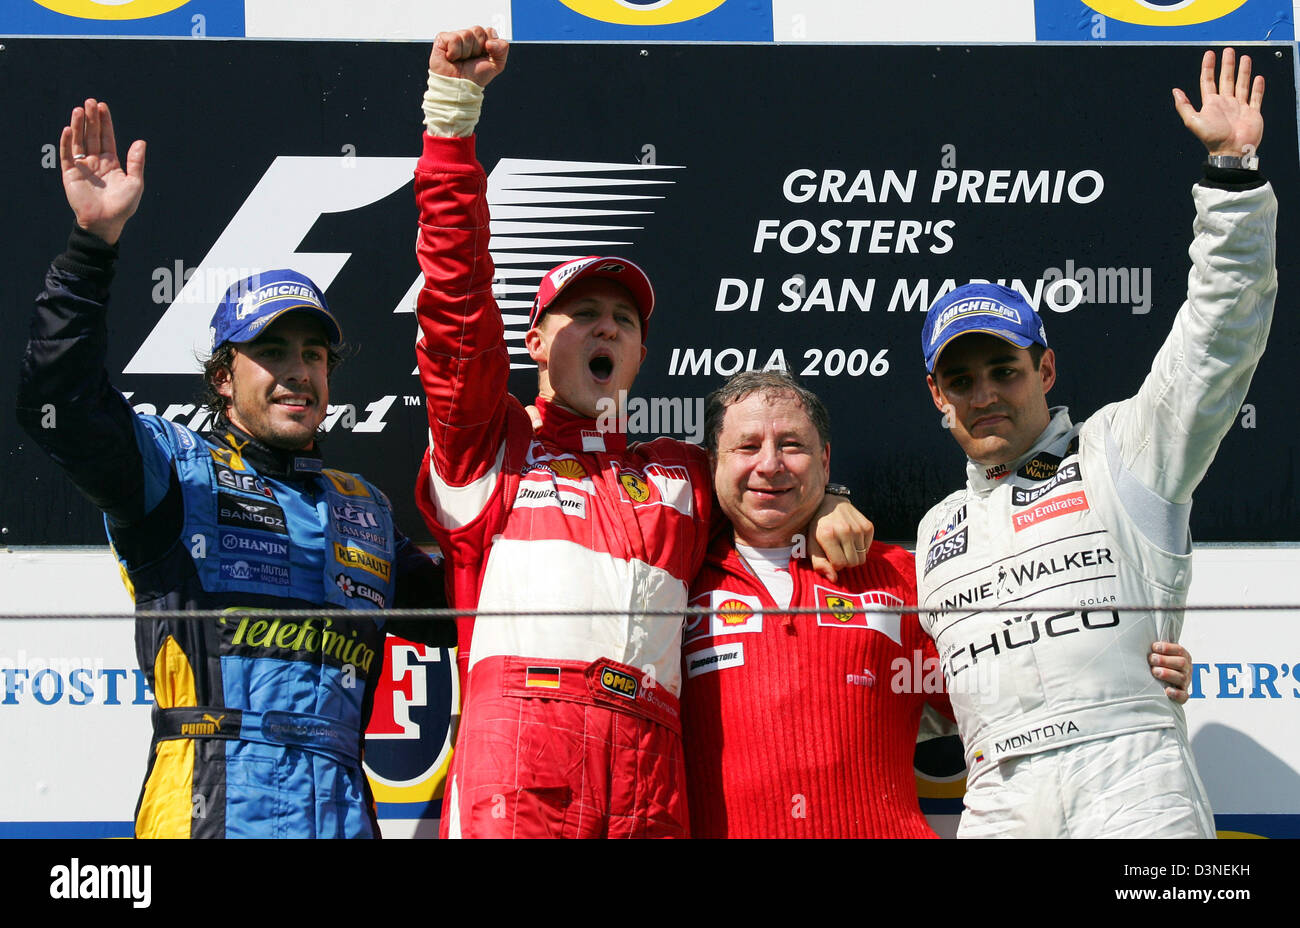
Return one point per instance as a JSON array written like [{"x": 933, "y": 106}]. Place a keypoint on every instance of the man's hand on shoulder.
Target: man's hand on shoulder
[
  {"x": 1229, "y": 120},
  {"x": 475, "y": 54},
  {"x": 839, "y": 538}
]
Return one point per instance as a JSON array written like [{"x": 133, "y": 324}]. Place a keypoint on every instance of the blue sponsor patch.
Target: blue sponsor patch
[
  {"x": 197, "y": 18},
  {"x": 260, "y": 545},
  {"x": 675, "y": 20},
  {"x": 246, "y": 571},
  {"x": 1163, "y": 20}
]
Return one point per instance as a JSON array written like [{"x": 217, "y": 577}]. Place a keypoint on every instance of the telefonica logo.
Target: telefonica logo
[
  {"x": 112, "y": 9},
  {"x": 643, "y": 12},
  {"x": 1164, "y": 12}
]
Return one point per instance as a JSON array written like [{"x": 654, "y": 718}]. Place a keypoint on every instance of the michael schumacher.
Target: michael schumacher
[
  {"x": 1064, "y": 731},
  {"x": 570, "y": 725}
]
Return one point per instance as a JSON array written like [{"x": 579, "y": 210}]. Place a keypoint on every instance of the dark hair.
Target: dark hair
[
  {"x": 1036, "y": 352},
  {"x": 224, "y": 357},
  {"x": 769, "y": 384}
]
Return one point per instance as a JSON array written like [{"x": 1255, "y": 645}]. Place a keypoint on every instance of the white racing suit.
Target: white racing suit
[{"x": 1066, "y": 733}]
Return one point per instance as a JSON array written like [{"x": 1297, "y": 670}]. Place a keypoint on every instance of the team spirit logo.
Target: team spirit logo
[
  {"x": 112, "y": 9},
  {"x": 1164, "y": 12},
  {"x": 643, "y": 12}
]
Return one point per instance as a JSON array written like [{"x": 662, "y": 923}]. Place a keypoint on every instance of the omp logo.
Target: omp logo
[
  {"x": 618, "y": 683},
  {"x": 112, "y": 9},
  {"x": 643, "y": 12},
  {"x": 1164, "y": 12},
  {"x": 531, "y": 202}
]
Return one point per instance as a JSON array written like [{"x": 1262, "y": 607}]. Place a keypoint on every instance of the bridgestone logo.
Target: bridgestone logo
[{"x": 715, "y": 658}]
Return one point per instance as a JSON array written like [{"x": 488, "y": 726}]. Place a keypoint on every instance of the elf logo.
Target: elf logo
[
  {"x": 1164, "y": 12},
  {"x": 408, "y": 740},
  {"x": 529, "y": 208}
]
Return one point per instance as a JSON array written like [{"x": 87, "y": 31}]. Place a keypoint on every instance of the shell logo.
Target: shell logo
[
  {"x": 568, "y": 468},
  {"x": 1167, "y": 13},
  {"x": 734, "y": 612},
  {"x": 112, "y": 9},
  {"x": 643, "y": 12}
]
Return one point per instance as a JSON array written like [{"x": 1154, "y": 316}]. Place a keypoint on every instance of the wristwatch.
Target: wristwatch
[
  {"x": 839, "y": 489},
  {"x": 1247, "y": 162}
]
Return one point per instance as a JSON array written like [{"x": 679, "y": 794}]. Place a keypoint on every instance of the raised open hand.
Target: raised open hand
[
  {"x": 100, "y": 192},
  {"x": 476, "y": 54},
  {"x": 1229, "y": 118}
]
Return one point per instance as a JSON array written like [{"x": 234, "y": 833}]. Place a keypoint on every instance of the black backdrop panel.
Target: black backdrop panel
[{"x": 751, "y": 138}]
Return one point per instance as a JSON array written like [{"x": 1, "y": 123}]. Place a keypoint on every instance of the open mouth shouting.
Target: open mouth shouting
[{"x": 601, "y": 365}]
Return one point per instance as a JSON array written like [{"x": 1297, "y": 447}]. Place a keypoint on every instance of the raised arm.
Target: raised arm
[
  {"x": 1168, "y": 434},
  {"x": 461, "y": 351},
  {"x": 102, "y": 194},
  {"x": 65, "y": 401}
]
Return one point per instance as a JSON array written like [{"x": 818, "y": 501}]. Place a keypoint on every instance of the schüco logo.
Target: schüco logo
[
  {"x": 1165, "y": 12},
  {"x": 643, "y": 12},
  {"x": 121, "y": 9}
]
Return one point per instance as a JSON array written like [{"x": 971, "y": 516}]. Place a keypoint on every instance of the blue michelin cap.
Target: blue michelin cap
[
  {"x": 989, "y": 308},
  {"x": 253, "y": 303}
]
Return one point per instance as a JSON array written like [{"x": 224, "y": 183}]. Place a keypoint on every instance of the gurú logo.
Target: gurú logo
[
  {"x": 643, "y": 12},
  {"x": 112, "y": 9},
  {"x": 1164, "y": 12}
]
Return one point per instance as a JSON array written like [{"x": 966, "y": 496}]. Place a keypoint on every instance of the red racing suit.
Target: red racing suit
[
  {"x": 804, "y": 726},
  {"x": 570, "y": 723}
]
